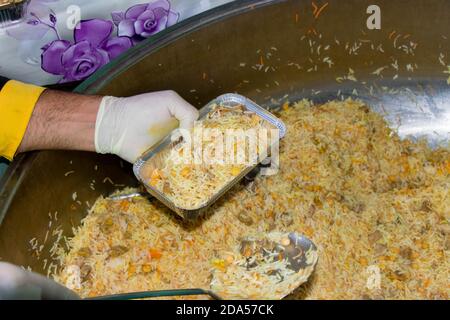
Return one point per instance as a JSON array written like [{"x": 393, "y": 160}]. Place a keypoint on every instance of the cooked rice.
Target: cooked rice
[
  {"x": 190, "y": 185},
  {"x": 374, "y": 205}
]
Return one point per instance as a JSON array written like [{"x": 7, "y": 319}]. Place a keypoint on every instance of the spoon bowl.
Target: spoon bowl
[{"x": 266, "y": 267}]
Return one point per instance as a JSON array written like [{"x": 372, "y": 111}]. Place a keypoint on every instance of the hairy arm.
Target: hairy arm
[
  {"x": 109, "y": 125},
  {"x": 63, "y": 121}
]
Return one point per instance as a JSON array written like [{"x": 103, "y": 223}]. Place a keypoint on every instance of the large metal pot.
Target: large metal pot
[{"x": 271, "y": 51}]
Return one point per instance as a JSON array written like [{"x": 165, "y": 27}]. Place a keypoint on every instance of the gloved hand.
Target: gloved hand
[
  {"x": 128, "y": 127},
  {"x": 18, "y": 284}
]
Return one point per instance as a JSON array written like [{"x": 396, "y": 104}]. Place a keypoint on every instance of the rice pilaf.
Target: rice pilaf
[{"x": 376, "y": 206}]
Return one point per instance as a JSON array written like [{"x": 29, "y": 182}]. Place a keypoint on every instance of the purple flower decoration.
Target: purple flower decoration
[
  {"x": 143, "y": 20},
  {"x": 92, "y": 49},
  {"x": 93, "y": 45}
]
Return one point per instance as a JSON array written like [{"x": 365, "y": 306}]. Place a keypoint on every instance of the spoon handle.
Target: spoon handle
[
  {"x": 156, "y": 294},
  {"x": 127, "y": 196}
]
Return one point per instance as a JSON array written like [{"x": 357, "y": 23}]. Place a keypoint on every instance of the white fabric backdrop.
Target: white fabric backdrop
[{"x": 21, "y": 59}]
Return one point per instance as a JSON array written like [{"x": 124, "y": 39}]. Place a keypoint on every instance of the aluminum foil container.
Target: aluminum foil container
[{"x": 155, "y": 156}]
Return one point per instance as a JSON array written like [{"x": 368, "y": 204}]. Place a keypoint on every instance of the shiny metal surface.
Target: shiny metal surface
[
  {"x": 154, "y": 158},
  {"x": 221, "y": 51},
  {"x": 127, "y": 196}
]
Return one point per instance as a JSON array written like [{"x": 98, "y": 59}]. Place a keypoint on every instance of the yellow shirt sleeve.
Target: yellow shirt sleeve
[{"x": 17, "y": 101}]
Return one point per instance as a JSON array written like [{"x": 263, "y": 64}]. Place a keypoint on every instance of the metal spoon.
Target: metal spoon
[
  {"x": 128, "y": 196},
  {"x": 300, "y": 255},
  {"x": 273, "y": 266}
]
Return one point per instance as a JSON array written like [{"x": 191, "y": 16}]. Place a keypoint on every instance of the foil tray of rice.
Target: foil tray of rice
[
  {"x": 189, "y": 173},
  {"x": 376, "y": 206}
]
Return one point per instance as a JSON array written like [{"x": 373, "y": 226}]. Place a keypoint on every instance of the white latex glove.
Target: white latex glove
[
  {"x": 128, "y": 127},
  {"x": 18, "y": 284}
]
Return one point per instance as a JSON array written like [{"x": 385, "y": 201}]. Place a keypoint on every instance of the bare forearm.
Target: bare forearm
[
  {"x": 62, "y": 121},
  {"x": 108, "y": 125}
]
